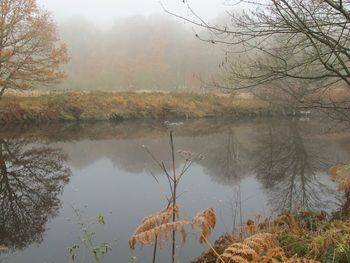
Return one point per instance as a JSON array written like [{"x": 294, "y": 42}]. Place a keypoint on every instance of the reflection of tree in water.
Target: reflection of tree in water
[
  {"x": 31, "y": 177},
  {"x": 287, "y": 165},
  {"x": 229, "y": 161}
]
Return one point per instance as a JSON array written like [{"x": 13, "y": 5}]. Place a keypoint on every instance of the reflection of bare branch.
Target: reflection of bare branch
[
  {"x": 30, "y": 180},
  {"x": 288, "y": 168},
  {"x": 301, "y": 44},
  {"x": 230, "y": 162}
]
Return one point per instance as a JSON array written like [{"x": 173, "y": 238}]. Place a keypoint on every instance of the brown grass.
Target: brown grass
[
  {"x": 341, "y": 173},
  {"x": 124, "y": 105}
]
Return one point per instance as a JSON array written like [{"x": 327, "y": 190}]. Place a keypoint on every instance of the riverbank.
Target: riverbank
[
  {"x": 101, "y": 106},
  {"x": 310, "y": 237}
]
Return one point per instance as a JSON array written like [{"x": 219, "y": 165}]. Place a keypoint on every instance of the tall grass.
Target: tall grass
[{"x": 79, "y": 106}]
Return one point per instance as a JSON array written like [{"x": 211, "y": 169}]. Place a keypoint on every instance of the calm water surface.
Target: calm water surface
[{"x": 47, "y": 171}]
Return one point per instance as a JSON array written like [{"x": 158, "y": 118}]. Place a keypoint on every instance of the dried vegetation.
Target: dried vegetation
[
  {"x": 304, "y": 237},
  {"x": 80, "y": 106},
  {"x": 157, "y": 227}
]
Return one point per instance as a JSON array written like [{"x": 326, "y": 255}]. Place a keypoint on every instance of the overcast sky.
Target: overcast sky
[{"x": 106, "y": 11}]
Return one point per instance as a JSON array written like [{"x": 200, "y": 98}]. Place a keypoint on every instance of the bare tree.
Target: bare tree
[
  {"x": 30, "y": 53},
  {"x": 305, "y": 41}
]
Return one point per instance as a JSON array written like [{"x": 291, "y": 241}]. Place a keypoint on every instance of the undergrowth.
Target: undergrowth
[
  {"x": 291, "y": 237},
  {"x": 79, "y": 106},
  {"x": 303, "y": 237}
]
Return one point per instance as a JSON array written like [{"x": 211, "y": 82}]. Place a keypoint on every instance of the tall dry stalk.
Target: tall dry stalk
[
  {"x": 157, "y": 227},
  {"x": 175, "y": 182}
]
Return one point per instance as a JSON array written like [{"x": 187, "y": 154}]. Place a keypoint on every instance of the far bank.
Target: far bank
[{"x": 102, "y": 106}]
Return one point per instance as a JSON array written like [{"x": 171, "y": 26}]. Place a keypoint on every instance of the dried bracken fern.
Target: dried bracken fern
[
  {"x": 240, "y": 250},
  {"x": 259, "y": 248},
  {"x": 251, "y": 249},
  {"x": 156, "y": 227},
  {"x": 344, "y": 183},
  {"x": 275, "y": 255},
  {"x": 206, "y": 220},
  {"x": 157, "y": 219},
  {"x": 216, "y": 249},
  {"x": 258, "y": 225},
  {"x": 261, "y": 243},
  {"x": 238, "y": 259},
  {"x": 289, "y": 221},
  {"x": 159, "y": 233},
  {"x": 301, "y": 260},
  {"x": 251, "y": 227}
]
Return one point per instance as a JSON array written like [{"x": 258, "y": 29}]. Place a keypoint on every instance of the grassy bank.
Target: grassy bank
[
  {"x": 122, "y": 106},
  {"x": 308, "y": 237}
]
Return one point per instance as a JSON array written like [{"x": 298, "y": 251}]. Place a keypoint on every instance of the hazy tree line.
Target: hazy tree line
[
  {"x": 294, "y": 51},
  {"x": 136, "y": 53}
]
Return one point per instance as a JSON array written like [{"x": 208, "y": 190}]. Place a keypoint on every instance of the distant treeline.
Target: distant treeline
[{"x": 136, "y": 53}]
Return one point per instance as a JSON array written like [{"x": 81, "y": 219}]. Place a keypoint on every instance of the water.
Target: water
[{"x": 48, "y": 171}]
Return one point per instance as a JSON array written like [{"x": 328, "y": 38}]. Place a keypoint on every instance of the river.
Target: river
[{"x": 249, "y": 168}]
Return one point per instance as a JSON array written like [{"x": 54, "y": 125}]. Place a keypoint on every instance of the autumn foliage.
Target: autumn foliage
[
  {"x": 30, "y": 51},
  {"x": 83, "y": 106},
  {"x": 156, "y": 228},
  {"x": 341, "y": 173},
  {"x": 259, "y": 248}
]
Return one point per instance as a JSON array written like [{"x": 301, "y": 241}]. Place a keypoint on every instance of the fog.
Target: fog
[
  {"x": 136, "y": 53},
  {"x": 134, "y": 45},
  {"x": 103, "y": 11}
]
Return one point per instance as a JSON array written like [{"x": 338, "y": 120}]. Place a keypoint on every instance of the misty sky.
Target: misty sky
[{"x": 109, "y": 10}]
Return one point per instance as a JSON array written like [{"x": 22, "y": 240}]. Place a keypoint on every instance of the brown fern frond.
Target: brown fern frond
[
  {"x": 171, "y": 209},
  {"x": 238, "y": 259},
  {"x": 159, "y": 233},
  {"x": 206, "y": 220},
  {"x": 251, "y": 227},
  {"x": 241, "y": 250},
  {"x": 291, "y": 222},
  {"x": 301, "y": 260},
  {"x": 211, "y": 255},
  {"x": 261, "y": 242},
  {"x": 156, "y": 219},
  {"x": 251, "y": 249},
  {"x": 275, "y": 255},
  {"x": 259, "y": 248},
  {"x": 156, "y": 227},
  {"x": 183, "y": 233},
  {"x": 259, "y": 225},
  {"x": 344, "y": 183}
]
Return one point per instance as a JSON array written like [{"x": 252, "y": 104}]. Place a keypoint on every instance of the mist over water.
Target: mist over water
[{"x": 278, "y": 165}]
